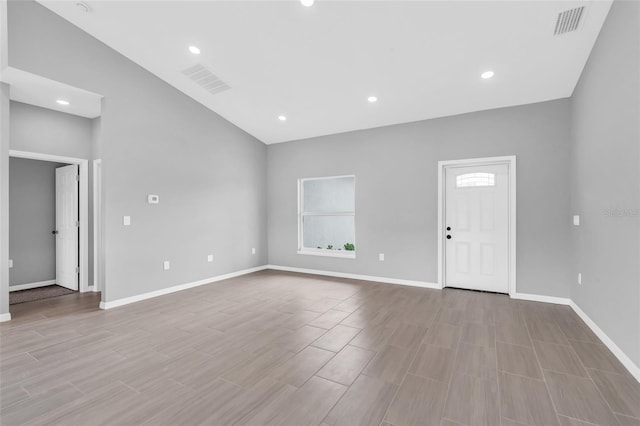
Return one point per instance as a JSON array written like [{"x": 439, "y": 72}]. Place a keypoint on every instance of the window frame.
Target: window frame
[
  {"x": 484, "y": 180},
  {"x": 345, "y": 254}
]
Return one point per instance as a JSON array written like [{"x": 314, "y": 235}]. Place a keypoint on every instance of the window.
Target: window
[
  {"x": 326, "y": 216},
  {"x": 475, "y": 179}
]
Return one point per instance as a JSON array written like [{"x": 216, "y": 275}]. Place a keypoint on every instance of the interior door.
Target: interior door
[
  {"x": 477, "y": 227},
  {"x": 67, "y": 226}
]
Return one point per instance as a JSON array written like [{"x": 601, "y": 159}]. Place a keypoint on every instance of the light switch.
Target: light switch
[
  {"x": 126, "y": 221},
  {"x": 10, "y": 263},
  {"x": 210, "y": 258},
  {"x": 153, "y": 199},
  {"x": 579, "y": 278},
  {"x": 166, "y": 265},
  {"x": 381, "y": 257},
  {"x": 253, "y": 250},
  {"x": 576, "y": 220}
]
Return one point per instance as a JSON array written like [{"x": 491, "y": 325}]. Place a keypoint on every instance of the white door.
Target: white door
[
  {"x": 67, "y": 227},
  {"x": 477, "y": 227}
]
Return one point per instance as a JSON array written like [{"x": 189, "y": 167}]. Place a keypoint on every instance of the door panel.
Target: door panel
[
  {"x": 462, "y": 257},
  {"x": 487, "y": 212},
  {"x": 67, "y": 226},
  {"x": 487, "y": 259},
  {"x": 477, "y": 211},
  {"x": 462, "y": 215}
]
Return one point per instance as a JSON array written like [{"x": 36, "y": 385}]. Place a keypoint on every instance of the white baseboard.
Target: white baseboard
[
  {"x": 5, "y": 317},
  {"x": 622, "y": 357},
  {"x": 541, "y": 298},
  {"x": 423, "y": 284},
  {"x": 31, "y": 285},
  {"x": 144, "y": 296}
]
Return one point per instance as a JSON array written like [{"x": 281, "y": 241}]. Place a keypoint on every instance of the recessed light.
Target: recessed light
[
  {"x": 487, "y": 74},
  {"x": 372, "y": 99},
  {"x": 62, "y": 102},
  {"x": 307, "y": 3},
  {"x": 194, "y": 49},
  {"x": 282, "y": 118}
]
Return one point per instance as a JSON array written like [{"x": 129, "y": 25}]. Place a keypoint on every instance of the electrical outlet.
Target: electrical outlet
[
  {"x": 166, "y": 265},
  {"x": 381, "y": 257},
  {"x": 210, "y": 258},
  {"x": 153, "y": 199},
  {"x": 10, "y": 263},
  {"x": 576, "y": 220},
  {"x": 126, "y": 220},
  {"x": 579, "y": 278},
  {"x": 253, "y": 250}
]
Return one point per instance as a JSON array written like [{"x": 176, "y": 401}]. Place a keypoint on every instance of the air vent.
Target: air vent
[
  {"x": 206, "y": 79},
  {"x": 568, "y": 20}
]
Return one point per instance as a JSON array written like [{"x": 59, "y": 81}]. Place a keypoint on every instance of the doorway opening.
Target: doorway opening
[
  {"x": 477, "y": 224},
  {"x": 48, "y": 226}
]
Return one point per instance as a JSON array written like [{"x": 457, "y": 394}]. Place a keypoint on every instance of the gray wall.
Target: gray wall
[
  {"x": 32, "y": 217},
  {"x": 210, "y": 175},
  {"x": 4, "y": 169},
  {"x": 396, "y": 196},
  {"x": 606, "y": 180},
  {"x": 46, "y": 131}
]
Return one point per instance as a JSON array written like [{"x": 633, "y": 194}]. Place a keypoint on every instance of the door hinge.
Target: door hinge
[
  {"x": 78, "y": 178},
  {"x": 77, "y": 223},
  {"x": 77, "y": 269}
]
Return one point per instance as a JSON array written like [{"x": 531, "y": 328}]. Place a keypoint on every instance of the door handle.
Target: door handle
[
  {"x": 448, "y": 237},
  {"x": 448, "y": 228},
  {"x": 55, "y": 232}
]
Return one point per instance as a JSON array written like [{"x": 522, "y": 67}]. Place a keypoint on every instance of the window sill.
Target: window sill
[{"x": 327, "y": 253}]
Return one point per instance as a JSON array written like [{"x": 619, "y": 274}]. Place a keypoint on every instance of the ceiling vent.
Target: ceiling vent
[
  {"x": 568, "y": 20},
  {"x": 206, "y": 79}
]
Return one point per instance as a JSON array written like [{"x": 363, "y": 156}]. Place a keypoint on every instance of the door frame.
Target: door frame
[
  {"x": 97, "y": 222},
  {"x": 84, "y": 206},
  {"x": 510, "y": 162}
]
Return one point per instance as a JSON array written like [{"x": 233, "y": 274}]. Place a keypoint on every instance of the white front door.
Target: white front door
[
  {"x": 476, "y": 224},
  {"x": 67, "y": 226}
]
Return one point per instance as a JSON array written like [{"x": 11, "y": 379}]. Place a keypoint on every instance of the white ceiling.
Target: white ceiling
[
  {"x": 318, "y": 65},
  {"x": 43, "y": 92}
]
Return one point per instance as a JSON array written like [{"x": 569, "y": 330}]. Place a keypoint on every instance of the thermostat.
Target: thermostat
[{"x": 153, "y": 199}]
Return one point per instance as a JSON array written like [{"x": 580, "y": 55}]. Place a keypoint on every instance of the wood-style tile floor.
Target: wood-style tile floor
[{"x": 287, "y": 349}]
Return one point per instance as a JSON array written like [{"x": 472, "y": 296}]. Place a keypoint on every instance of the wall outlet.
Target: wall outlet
[
  {"x": 253, "y": 250},
  {"x": 576, "y": 220},
  {"x": 579, "y": 278},
  {"x": 126, "y": 220},
  {"x": 381, "y": 257},
  {"x": 153, "y": 199},
  {"x": 166, "y": 265},
  {"x": 10, "y": 263},
  {"x": 210, "y": 258}
]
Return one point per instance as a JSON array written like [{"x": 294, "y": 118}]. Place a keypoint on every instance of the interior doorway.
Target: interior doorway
[
  {"x": 68, "y": 181},
  {"x": 477, "y": 224}
]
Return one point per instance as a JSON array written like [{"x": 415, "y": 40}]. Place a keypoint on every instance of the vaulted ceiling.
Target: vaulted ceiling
[{"x": 317, "y": 65}]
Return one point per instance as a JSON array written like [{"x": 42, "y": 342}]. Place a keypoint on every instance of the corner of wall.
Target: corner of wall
[{"x": 4, "y": 201}]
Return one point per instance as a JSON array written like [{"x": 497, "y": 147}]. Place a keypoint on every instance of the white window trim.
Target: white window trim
[{"x": 345, "y": 254}]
